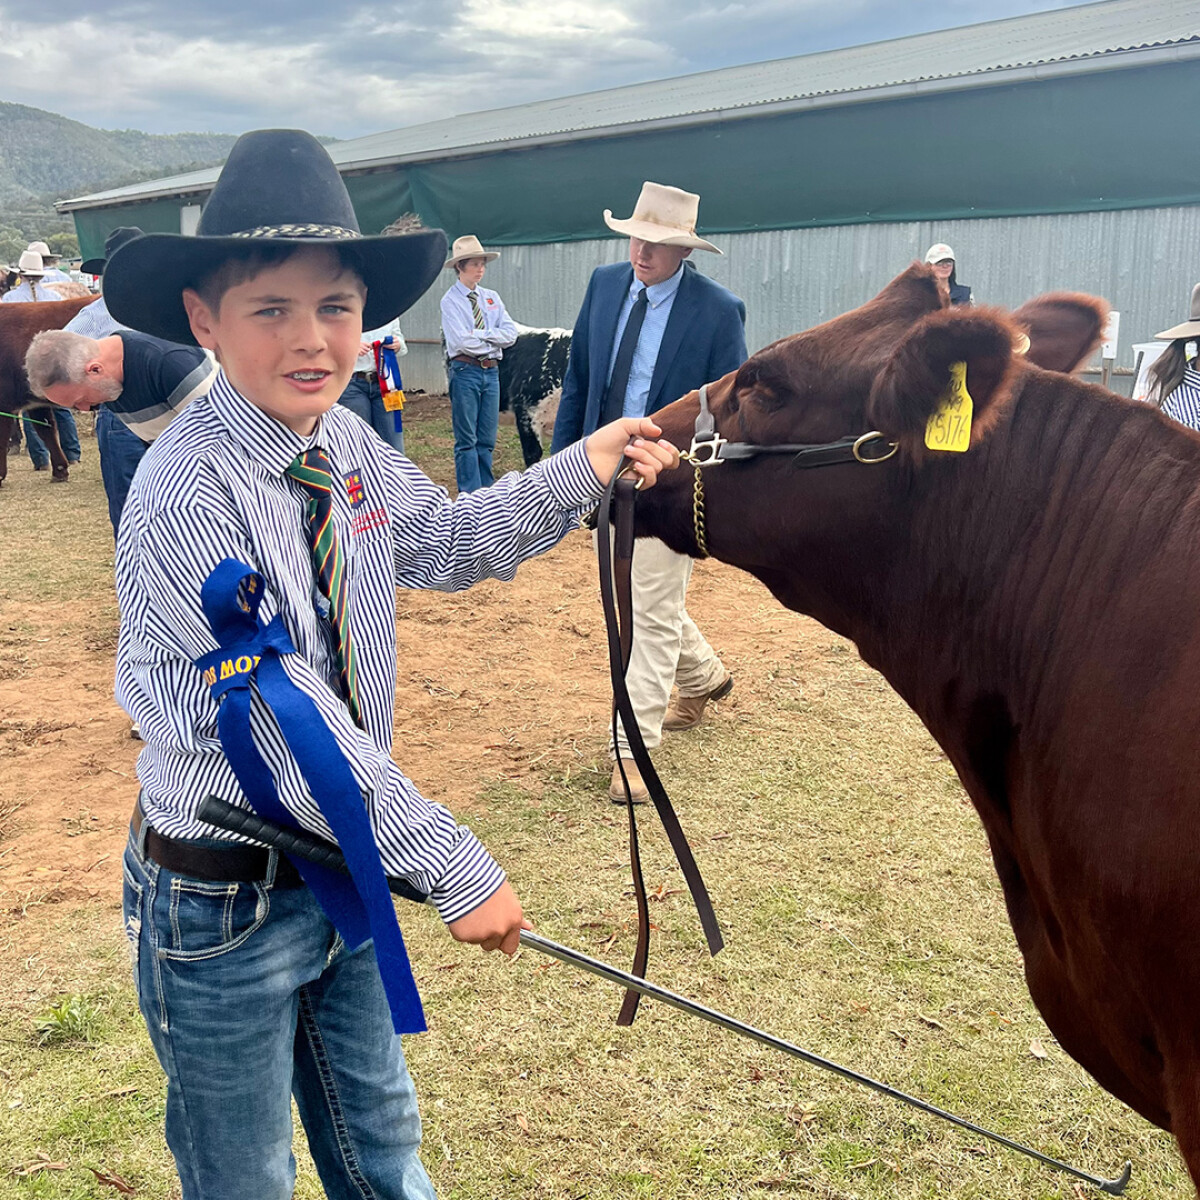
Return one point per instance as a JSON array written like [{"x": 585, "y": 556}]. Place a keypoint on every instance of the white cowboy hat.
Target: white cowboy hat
[
  {"x": 1191, "y": 327},
  {"x": 468, "y": 246},
  {"x": 30, "y": 263},
  {"x": 939, "y": 252},
  {"x": 665, "y": 216},
  {"x": 42, "y": 249}
]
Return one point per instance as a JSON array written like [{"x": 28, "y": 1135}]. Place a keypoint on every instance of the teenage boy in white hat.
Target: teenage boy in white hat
[
  {"x": 261, "y": 978},
  {"x": 476, "y": 329},
  {"x": 651, "y": 330}
]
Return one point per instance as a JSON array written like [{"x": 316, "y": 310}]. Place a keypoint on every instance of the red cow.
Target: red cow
[
  {"x": 1036, "y": 600},
  {"x": 18, "y": 324}
]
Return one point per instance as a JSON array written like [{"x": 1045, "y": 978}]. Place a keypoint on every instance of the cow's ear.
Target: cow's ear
[
  {"x": 916, "y": 380},
  {"x": 1063, "y": 327}
]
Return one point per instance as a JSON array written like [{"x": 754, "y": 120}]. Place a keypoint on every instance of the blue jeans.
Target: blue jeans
[
  {"x": 68, "y": 438},
  {"x": 120, "y": 452},
  {"x": 475, "y": 414},
  {"x": 363, "y": 398},
  {"x": 251, "y": 998}
]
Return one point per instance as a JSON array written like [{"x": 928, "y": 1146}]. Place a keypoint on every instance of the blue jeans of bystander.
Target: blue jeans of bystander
[
  {"x": 475, "y": 414},
  {"x": 120, "y": 452},
  {"x": 68, "y": 438},
  {"x": 363, "y": 398},
  {"x": 251, "y": 998}
]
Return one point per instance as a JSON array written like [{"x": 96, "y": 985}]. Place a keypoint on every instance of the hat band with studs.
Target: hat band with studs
[{"x": 333, "y": 232}]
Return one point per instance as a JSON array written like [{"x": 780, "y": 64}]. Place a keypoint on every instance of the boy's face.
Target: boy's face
[
  {"x": 471, "y": 271},
  {"x": 289, "y": 337}
]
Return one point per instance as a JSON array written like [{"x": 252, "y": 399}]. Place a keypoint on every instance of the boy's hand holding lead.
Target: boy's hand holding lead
[
  {"x": 634, "y": 438},
  {"x": 496, "y": 924}
]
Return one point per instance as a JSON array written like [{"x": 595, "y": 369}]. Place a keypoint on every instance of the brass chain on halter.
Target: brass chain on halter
[{"x": 698, "y": 523}]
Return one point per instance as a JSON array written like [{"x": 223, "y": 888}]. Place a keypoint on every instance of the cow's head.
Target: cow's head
[{"x": 885, "y": 366}]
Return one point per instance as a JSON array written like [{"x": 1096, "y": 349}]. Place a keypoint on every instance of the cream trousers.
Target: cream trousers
[{"x": 668, "y": 649}]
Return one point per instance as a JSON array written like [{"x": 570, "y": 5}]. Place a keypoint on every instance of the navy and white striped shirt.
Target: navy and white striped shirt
[
  {"x": 212, "y": 487},
  {"x": 1183, "y": 404}
]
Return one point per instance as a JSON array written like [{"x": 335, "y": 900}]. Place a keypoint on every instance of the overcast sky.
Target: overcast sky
[{"x": 348, "y": 69}]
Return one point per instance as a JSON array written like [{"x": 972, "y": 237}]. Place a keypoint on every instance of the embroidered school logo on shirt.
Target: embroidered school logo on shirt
[
  {"x": 490, "y": 300},
  {"x": 354, "y": 488}
]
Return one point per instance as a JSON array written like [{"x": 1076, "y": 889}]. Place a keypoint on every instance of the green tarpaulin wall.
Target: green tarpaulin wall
[{"x": 1103, "y": 140}]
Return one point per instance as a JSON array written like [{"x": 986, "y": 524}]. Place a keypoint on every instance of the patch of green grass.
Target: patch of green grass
[{"x": 72, "y": 1019}]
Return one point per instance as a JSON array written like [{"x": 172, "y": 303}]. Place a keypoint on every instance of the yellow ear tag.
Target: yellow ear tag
[{"x": 949, "y": 428}]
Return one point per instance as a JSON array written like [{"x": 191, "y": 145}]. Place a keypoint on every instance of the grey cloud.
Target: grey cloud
[{"x": 376, "y": 67}]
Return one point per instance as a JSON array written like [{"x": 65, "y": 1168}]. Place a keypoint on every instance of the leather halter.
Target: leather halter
[{"x": 709, "y": 449}]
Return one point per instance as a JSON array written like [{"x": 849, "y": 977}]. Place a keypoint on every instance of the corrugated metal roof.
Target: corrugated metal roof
[{"x": 1089, "y": 36}]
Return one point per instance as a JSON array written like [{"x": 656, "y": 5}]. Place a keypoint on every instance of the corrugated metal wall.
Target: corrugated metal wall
[{"x": 1143, "y": 261}]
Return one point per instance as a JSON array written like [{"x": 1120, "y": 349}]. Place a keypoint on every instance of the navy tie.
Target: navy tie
[{"x": 618, "y": 385}]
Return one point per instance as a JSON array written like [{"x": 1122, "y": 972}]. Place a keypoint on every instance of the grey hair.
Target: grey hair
[{"x": 58, "y": 356}]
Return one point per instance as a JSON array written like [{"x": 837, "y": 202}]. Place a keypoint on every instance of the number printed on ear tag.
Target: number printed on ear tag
[{"x": 949, "y": 427}]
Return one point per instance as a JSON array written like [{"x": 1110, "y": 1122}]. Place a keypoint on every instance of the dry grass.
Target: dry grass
[{"x": 863, "y": 921}]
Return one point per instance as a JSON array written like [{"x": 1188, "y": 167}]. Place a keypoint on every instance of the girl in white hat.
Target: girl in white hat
[{"x": 1174, "y": 380}]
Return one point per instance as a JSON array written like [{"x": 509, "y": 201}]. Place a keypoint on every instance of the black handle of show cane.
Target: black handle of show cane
[{"x": 296, "y": 843}]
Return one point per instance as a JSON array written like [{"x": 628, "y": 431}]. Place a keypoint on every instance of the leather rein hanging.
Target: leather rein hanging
[
  {"x": 709, "y": 449},
  {"x": 617, "y": 598}
]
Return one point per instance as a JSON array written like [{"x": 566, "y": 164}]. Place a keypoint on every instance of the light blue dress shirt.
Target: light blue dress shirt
[
  {"x": 659, "y": 299},
  {"x": 458, "y": 323},
  {"x": 94, "y": 321}
]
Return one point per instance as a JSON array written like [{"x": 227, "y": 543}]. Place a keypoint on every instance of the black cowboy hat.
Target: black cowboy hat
[
  {"x": 115, "y": 240},
  {"x": 277, "y": 185}
]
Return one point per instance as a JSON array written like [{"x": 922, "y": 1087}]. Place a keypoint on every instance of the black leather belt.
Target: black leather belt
[
  {"x": 234, "y": 863},
  {"x": 364, "y": 374}
]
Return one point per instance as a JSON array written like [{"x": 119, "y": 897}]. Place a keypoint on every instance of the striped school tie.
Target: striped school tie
[
  {"x": 476, "y": 311},
  {"x": 312, "y": 471}
]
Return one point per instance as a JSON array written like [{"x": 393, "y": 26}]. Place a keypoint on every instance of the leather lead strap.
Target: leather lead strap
[{"x": 617, "y": 599}]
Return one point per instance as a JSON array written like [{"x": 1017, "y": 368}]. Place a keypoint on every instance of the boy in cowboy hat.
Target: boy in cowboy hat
[
  {"x": 651, "y": 330},
  {"x": 476, "y": 330},
  {"x": 262, "y": 979}
]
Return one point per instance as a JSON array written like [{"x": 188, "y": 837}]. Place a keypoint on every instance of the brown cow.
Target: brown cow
[
  {"x": 1036, "y": 600},
  {"x": 18, "y": 324}
]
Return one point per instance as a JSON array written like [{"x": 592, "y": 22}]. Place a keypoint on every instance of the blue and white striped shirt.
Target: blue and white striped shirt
[
  {"x": 94, "y": 321},
  {"x": 212, "y": 487},
  {"x": 1183, "y": 404},
  {"x": 660, "y": 299}
]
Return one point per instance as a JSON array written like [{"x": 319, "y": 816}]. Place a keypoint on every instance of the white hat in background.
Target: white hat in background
[
  {"x": 665, "y": 216},
  {"x": 1191, "y": 327},
  {"x": 468, "y": 246},
  {"x": 939, "y": 252},
  {"x": 30, "y": 263}
]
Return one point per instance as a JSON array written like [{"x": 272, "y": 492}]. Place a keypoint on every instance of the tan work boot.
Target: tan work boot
[
  {"x": 638, "y": 790},
  {"x": 686, "y": 712}
]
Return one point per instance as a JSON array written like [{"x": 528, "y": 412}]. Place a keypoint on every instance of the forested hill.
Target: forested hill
[{"x": 44, "y": 157}]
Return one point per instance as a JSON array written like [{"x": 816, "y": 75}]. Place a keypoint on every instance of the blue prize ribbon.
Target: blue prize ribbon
[
  {"x": 390, "y": 381},
  {"x": 360, "y": 906}
]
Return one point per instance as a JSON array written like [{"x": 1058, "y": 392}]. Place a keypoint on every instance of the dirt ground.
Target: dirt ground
[{"x": 492, "y": 683}]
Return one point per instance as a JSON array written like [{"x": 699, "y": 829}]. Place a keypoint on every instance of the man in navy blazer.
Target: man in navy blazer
[{"x": 651, "y": 330}]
